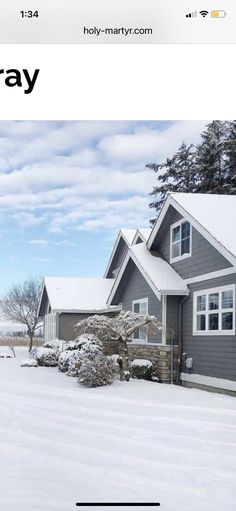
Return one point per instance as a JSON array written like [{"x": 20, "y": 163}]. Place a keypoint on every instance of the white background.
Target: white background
[{"x": 121, "y": 82}]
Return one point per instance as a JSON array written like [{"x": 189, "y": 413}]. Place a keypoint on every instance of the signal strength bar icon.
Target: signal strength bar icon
[{"x": 191, "y": 14}]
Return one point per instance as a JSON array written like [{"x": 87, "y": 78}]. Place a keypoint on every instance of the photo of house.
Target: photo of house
[
  {"x": 117, "y": 315},
  {"x": 183, "y": 272}
]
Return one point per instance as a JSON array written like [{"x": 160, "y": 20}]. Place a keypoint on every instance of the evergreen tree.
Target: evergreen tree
[
  {"x": 176, "y": 174},
  {"x": 210, "y": 163},
  {"x": 209, "y": 167},
  {"x": 230, "y": 158}
]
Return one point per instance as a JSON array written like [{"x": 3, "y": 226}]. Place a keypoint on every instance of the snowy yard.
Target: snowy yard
[{"x": 136, "y": 441}]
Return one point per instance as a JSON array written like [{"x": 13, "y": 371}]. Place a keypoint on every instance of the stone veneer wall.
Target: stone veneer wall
[{"x": 160, "y": 356}]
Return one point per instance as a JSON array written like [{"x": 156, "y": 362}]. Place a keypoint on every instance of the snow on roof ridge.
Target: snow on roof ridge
[{"x": 78, "y": 293}]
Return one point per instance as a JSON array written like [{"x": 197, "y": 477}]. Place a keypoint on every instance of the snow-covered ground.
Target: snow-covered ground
[{"x": 136, "y": 441}]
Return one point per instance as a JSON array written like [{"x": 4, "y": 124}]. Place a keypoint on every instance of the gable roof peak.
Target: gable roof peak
[{"x": 210, "y": 214}]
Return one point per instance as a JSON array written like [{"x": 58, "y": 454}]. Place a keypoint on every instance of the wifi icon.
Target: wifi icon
[{"x": 204, "y": 13}]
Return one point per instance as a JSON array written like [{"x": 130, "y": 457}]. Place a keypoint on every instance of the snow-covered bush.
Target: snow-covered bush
[
  {"x": 82, "y": 340},
  {"x": 74, "y": 363},
  {"x": 117, "y": 361},
  {"x": 29, "y": 362},
  {"x": 96, "y": 372},
  {"x": 141, "y": 369},
  {"x": 55, "y": 344},
  {"x": 46, "y": 357},
  {"x": 63, "y": 360},
  {"x": 85, "y": 346}
]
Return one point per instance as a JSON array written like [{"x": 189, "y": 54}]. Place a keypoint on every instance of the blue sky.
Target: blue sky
[{"x": 66, "y": 188}]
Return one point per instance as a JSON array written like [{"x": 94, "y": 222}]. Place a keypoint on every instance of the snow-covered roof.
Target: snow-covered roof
[
  {"x": 141, "y": 233},
  {"x": 145, "y": 233},
  {"x": 80, "y": 294},
  {"x": 214, "y": 213},
  {"x": 161, "y": 277},
  {"x": 128, "y": 234}
]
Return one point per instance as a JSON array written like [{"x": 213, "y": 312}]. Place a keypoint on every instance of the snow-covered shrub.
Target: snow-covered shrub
[
  {"x": 29, "y": 362},
  {"x": 55, "y": 344},
  {"x": 96, "y": 372},
  {"x": 116, "y": 360},
  {"x": 84, "y": 341},
  {"x": 72, "y": 345},
  {"x": 74, "y": 363},
  {"x": 63, "y": 360},
  {"x": 85, "y": 346},
  {"x": 88, "y": 347},
  {"x": 141, "y": 369},
  {"x": 46, "y": 357}
]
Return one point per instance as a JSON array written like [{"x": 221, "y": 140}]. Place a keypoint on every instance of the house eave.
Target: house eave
[
  {"x": 120, "y": 235},
  {"x": 175, "y": 292},
  {"x": 157, "y": 291},
  {"x": 106, "y": 310}
]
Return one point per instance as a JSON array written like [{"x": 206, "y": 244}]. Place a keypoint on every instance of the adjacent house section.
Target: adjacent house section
[
  {"x": 65, "y": 301},
  {"x": 144, "y": 283}
]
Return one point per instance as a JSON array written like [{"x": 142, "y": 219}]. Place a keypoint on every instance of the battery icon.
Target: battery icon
[{"x": 218, "y": 14}]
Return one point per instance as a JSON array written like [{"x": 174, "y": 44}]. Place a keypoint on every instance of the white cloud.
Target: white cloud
[
  {"x": 42, "y": 243},
  {"x": 28, "y": 220},
  {"x": 148, "y": 144},
  {"x": 83, "y": 175}
]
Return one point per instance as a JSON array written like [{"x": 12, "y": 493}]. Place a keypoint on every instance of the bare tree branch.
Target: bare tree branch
[{"x": 21, "y": 303}]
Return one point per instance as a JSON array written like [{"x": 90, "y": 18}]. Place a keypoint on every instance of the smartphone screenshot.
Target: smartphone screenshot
[{"x": 117, "y": 255}]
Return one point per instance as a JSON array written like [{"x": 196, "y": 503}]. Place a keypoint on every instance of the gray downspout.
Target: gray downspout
[{"x": 180, "y": 345}]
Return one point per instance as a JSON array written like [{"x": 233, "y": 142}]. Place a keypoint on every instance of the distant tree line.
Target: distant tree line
[{"x": 209, "y": 167}]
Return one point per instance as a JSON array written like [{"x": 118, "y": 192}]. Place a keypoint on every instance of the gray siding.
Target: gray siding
[
  {"x": 118, "y": 258},
  {"x": 66, "y": 325},
  {"x": 133, "y": 286},
  {"x": 67, "y": 322},
  {"x": 205, "y": 258},
  {"x": 212, "y": 355},
  {"x": 44, "y": 304}
]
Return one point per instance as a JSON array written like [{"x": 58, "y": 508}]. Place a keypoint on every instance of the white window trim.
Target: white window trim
[
  {"x": 206, "y": 312},
  {"x": 184, "y": 256},
  {"x": 135, "y": 340}
]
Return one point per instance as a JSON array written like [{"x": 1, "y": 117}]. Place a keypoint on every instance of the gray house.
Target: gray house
[
  {"x": 65, "y": 301},
  {"x": 185, "y": 275}
]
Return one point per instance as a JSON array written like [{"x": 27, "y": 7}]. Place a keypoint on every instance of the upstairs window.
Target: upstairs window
[
  {"x": 214, "y": 311},
  {"x": 180, "y": 240}
]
